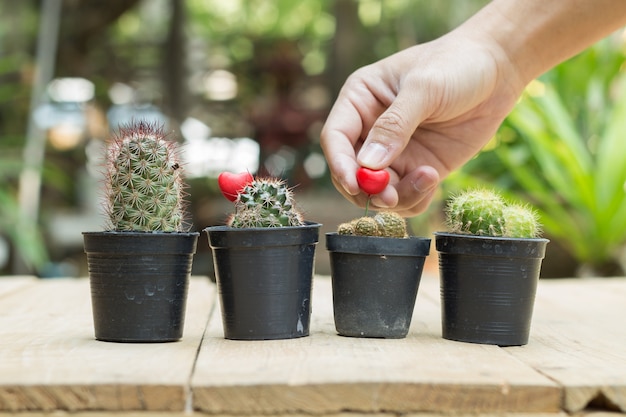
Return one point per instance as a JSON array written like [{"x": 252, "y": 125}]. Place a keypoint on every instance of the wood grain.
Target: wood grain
[
  {"x": 578, "y": 339},
  {"x": 326, "y": 373},
  {"x": 51, "y": 361},
  {"x": 9, "y": 284},
  {"x": 343, "y": 414},
  {"x": 575, "y": 361}
]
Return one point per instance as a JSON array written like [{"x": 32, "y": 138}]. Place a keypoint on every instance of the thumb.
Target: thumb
[{"x": 392, "y": 131}]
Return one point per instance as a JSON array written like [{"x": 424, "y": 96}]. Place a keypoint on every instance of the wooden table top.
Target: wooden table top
[{"x": 49, "y": 360}]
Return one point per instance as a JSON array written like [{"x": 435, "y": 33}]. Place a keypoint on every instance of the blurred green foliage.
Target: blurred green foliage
[
  {"x": 25, "y": 238},
  {"x": 380, "y": 27},
  {"x": 330, "y": 38},
  {"x": 560, "y": 149},
  {"x": 130, "y": 42},
  {"x": 563, "y": 149}
]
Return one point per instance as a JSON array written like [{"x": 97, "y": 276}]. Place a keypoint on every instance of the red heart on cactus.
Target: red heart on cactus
[
  {"x": 372, "y": 181},
  {"x": 231, "y": 184}
]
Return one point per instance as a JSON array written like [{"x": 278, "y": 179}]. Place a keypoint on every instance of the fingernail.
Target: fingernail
[
  {"x": 379, "y": 203},
  {"x": 372, "y": 154},
  {"x": 422, "y": 184},
  {"x": 347, "y": 189}
]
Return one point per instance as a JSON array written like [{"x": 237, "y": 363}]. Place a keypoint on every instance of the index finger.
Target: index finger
[{"x": 349, "y": 121}]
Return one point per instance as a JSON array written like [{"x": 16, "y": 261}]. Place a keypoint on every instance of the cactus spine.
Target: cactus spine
[
  {"x": 366, "y": 226},
  {"x": 521, "y": 221},
  {"x": 478, "y": 212},
  {"x": 383, "y": 224},
  {"x": 391, "y": 224},
  {"x": 483, "y": 212},
  {"x": 144, "y": 188},
  {"x": 265, "y": 202}
]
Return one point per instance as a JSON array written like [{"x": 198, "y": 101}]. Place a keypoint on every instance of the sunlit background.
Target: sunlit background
[{"x": 246, "y": 85}]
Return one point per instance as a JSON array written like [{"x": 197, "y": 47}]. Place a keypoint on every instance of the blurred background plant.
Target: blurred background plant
[
  {"x": 563, "y": 149},
  {"x": 15, "y": 233},
  {"x": 246, "y": 86},
  {"x": 27, "y": 240}
]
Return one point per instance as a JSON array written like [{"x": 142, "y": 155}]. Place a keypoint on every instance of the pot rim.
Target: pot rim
[
  {"x": 232, "y": 237},
  {"x": 490, "y": 246},
  {"x": 494, "y": 238},
  {"x": 306, "y": 225},
  {"x": 139, "y": 233},
  {"x": 138, "y": 243},
  {"x": 378, "y": 245}
]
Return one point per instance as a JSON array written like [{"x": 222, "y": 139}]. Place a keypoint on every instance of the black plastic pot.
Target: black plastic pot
[
  {"x": 375, "y": 282},
  {"x": 488, "y": 287},
  {"x": 139, "y": 284},
  {"x": 264, "y": 278}
]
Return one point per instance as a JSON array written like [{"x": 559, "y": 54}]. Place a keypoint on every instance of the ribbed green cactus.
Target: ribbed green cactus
[
  {"x": 383, "y": 224},
  {"x": 483, "y": 212},
  {"x": 265, "y": 202},
  {"x": 476, "y": 212},
  {"x": 144, "y": 187},
  {"x": 521, "y": 221}
]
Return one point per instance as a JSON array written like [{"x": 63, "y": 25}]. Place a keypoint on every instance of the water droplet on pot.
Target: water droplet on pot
[{"x": 149, "y": 289}]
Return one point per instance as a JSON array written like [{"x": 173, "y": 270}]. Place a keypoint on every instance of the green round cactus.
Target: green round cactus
[
  {"x": 477, "y": 212},
  {"x": 485, "y": 213},
  {"x": 265, "y": 202},
  {"x": 520, "y": 221},
  {"x": 144, "y": 187},
  {"x": 383, "y": 224}
]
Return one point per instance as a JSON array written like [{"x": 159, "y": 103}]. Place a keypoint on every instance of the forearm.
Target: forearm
[{"x": 535, "y": 35}]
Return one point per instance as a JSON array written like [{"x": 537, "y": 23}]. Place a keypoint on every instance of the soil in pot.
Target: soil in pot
[{"x": 375, "y": 281}]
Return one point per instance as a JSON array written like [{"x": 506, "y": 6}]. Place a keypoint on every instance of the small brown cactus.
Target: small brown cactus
[{"x": 383, "y": 224}]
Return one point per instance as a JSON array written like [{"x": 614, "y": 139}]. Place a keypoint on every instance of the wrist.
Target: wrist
[{"x": 532, "y": 36}]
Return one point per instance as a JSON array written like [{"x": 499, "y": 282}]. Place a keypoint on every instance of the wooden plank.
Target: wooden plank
[
  {"x": 326, "y": 373},
  {"x": 10, "y": 284},
  {"x": 51, "y": 361},
  {"x": 111, "y": 414},
  {"x": 578, "y": 339},
  {"x": 344, "y": 414}
]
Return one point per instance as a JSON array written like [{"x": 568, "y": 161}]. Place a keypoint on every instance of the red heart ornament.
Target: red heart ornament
[
  {"x": 372, "y": 181},
  {"x": 231, "y": 184}
]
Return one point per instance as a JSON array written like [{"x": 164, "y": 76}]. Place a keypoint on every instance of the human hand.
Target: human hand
[{"x": 419, "y": 114}]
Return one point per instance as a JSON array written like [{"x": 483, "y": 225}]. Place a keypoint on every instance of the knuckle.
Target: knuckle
[{"x": 390, "y": 125}]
